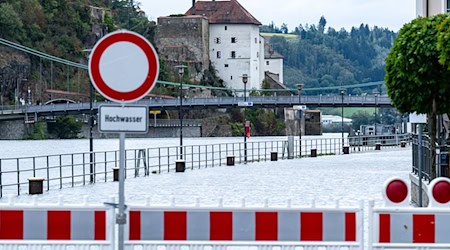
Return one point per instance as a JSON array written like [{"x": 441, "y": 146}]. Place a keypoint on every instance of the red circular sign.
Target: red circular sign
[
  {"x": 397, "y": 191},
  {"x": 441, "y": 192},
  {"x": 123, "y": 66}
]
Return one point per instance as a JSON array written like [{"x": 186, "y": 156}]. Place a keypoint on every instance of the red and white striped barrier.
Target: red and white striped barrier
[
  {"x": 341, "y": 227},
  {"x": 52, "y": 226},
  {"x": 397, "y": 227}
]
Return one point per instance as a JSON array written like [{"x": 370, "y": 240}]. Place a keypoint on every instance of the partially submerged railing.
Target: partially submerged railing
[{"x": 69, "y": 170}]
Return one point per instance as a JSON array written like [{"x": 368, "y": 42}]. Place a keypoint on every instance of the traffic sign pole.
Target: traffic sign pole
[
  {"x": 123, "y": 67},
  {"x": 121, "y": 218}
]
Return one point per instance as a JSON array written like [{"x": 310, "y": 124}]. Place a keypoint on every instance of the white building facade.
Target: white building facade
[
  {"x": 236, "y": 47},
  {"x": 235, "y": 51},
  {"x": 426, "y": 8}
]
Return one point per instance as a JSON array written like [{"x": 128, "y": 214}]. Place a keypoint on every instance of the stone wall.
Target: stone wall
[
  {"x": 158, "y": 132},
  {"x": 14, "y": 130},
  {"x": 184, "y": 39}
]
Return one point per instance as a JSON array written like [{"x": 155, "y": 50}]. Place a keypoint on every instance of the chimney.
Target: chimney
[{"x": 193, "y": 7}]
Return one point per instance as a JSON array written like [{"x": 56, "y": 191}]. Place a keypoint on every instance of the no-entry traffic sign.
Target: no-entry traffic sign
[{"x": 123, "y": 66}]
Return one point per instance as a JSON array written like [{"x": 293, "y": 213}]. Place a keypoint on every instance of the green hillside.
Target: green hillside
[{"x": 321, "y": 56}]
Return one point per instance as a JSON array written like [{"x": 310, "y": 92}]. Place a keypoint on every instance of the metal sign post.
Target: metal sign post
[
  {"x": 121, "y": 218},
  {"x": 123, "y": 67}
]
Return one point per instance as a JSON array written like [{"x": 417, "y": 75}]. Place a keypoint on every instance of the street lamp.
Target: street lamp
[
  {"x": 299, "y": 89},
  {"x": 375, "y": 93},
  {"x": 342, "y": 92},
  {"x": 180, "y": 108},
  {"x": 245, "y": 80},
  {"x": 91, "y": 124},
  {"x": 17, "y": 92}
]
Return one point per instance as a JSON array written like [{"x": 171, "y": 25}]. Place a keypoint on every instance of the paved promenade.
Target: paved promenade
[{"x": 348, "y": 178}]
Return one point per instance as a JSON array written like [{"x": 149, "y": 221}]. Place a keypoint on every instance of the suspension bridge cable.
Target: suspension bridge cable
[{"x": 85, "y": 67}]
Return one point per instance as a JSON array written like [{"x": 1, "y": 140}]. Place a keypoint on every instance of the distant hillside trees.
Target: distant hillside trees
[{"x": 323, "y": 57}]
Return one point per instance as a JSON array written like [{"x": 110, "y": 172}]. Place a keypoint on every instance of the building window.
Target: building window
[
  {"x": 233, "y": 54},
  {"x": 267, "y": 63},
  {"x": 256, "y": 40},
  {"x": 226, "y": 28},
  {"x": 231, "y": 77},
  {"x": 217, "y": 40},
  {"x": 257, "y": 54},
  {"x": 233, "y": 40},
  {"x": 448, "y": 5},
  {"x": 218, "y": 54},
  {"x": 226, "y": 65}
]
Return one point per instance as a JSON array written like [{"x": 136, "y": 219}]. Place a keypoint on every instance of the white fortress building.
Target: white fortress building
[{"x": 224, "y": 34}]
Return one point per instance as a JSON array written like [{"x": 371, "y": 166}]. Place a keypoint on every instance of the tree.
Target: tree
[
  {"x": 66, "y": 127},
  {"x": 415, "y": 79},
  {"x": 444, "y": 42},
  {"x": 361, "y": 117}
]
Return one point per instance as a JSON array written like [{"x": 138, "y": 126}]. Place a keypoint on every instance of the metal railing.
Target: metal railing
[
  {"x": 175, "y": 123},
  {"x": 442, "y": 158},
  {"x": 384, "y": 140},
  {"x": 69, "y": 170}
]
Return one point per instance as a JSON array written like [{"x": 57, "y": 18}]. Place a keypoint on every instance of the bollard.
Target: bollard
[
  {"x": 35, "y": 185},
  {"x": 273, "y": 156},
  {"x": 403, "y": 144},
  {"x": 180, "y": 166},
  {"x": 115, "y": 173},
  {"x": 313, "y": 152},
  {"x": 346, "y": 150},
  {"x": 230, "y": 160},
  {"x": 378, "y": 146}
]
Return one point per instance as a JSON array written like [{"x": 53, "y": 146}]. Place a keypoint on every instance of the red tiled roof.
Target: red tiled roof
[{"x": 223, "y": 12}]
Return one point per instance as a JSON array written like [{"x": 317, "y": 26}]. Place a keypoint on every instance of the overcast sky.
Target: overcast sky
[{"x": 391, "y": 14}]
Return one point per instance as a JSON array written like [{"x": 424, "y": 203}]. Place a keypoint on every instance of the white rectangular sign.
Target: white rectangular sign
[
  {"x": 299, "y": 107},
  {"x": 417, "y": 118},
  {"x": 245, "y": 104},
  {"x": 128, "y": 119}
]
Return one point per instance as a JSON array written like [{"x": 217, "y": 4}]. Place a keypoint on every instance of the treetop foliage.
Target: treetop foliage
[
  {"x": 322, "y": 57},
  {"x": 414, "y": 76},
  {"x": 64, "y": 28}
]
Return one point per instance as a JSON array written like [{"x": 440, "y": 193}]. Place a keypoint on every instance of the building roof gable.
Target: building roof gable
[{"x": 223, "y": 12}]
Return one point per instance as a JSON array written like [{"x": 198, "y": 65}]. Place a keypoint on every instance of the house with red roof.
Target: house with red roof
[{"x": 223, "y": 34}]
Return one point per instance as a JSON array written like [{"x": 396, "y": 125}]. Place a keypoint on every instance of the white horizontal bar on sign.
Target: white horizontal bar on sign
[
  {"x": 414, "y": 210},
  {"x": 59, "y": 244},
  {"x": 416, "y": 246},
  {"x": 246, "y": 243},
  {"x": 53, "y": 206},
  {"x": 219, "y": 209}
]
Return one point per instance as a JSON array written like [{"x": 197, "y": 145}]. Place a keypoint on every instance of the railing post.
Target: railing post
[
  {"x": 60, "y": 171},
  {"x": 159, "y": 160},
  {"x": 1, "y": 186},
  {"x": 48, "y": 174},
  {"x": 420, "y": 163},
  {"x": 18, "y": 177}
]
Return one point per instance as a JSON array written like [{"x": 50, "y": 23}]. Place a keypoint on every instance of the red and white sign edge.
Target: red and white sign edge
[{"x": 98, "y": 80}]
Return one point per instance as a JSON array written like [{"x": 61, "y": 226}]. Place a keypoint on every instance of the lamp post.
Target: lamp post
[
  {"x": 245, "y": 80},
  {"x": 91, "y": 124},
  {"x": 180, "y": 108},
  {"x": 375, "y": 93},
  {"x": 342, "y": 92},
  {"x": 299, "y": 89},
  {"x": 17, "y": 92}
]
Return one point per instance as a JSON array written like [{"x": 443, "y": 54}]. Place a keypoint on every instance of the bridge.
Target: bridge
[{"x": 202, "y": 103}]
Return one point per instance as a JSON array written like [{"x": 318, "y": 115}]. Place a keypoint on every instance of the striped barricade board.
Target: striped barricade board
[
  {"x": 56, "y": 226},
  {"x": 245, "y": 226},
  {"x": 419, "y": 228}
]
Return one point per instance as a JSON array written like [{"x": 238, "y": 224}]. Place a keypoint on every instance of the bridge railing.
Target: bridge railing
[
  {"x": 217, "y": 102},
  {"x": 69, "y": 170}
]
